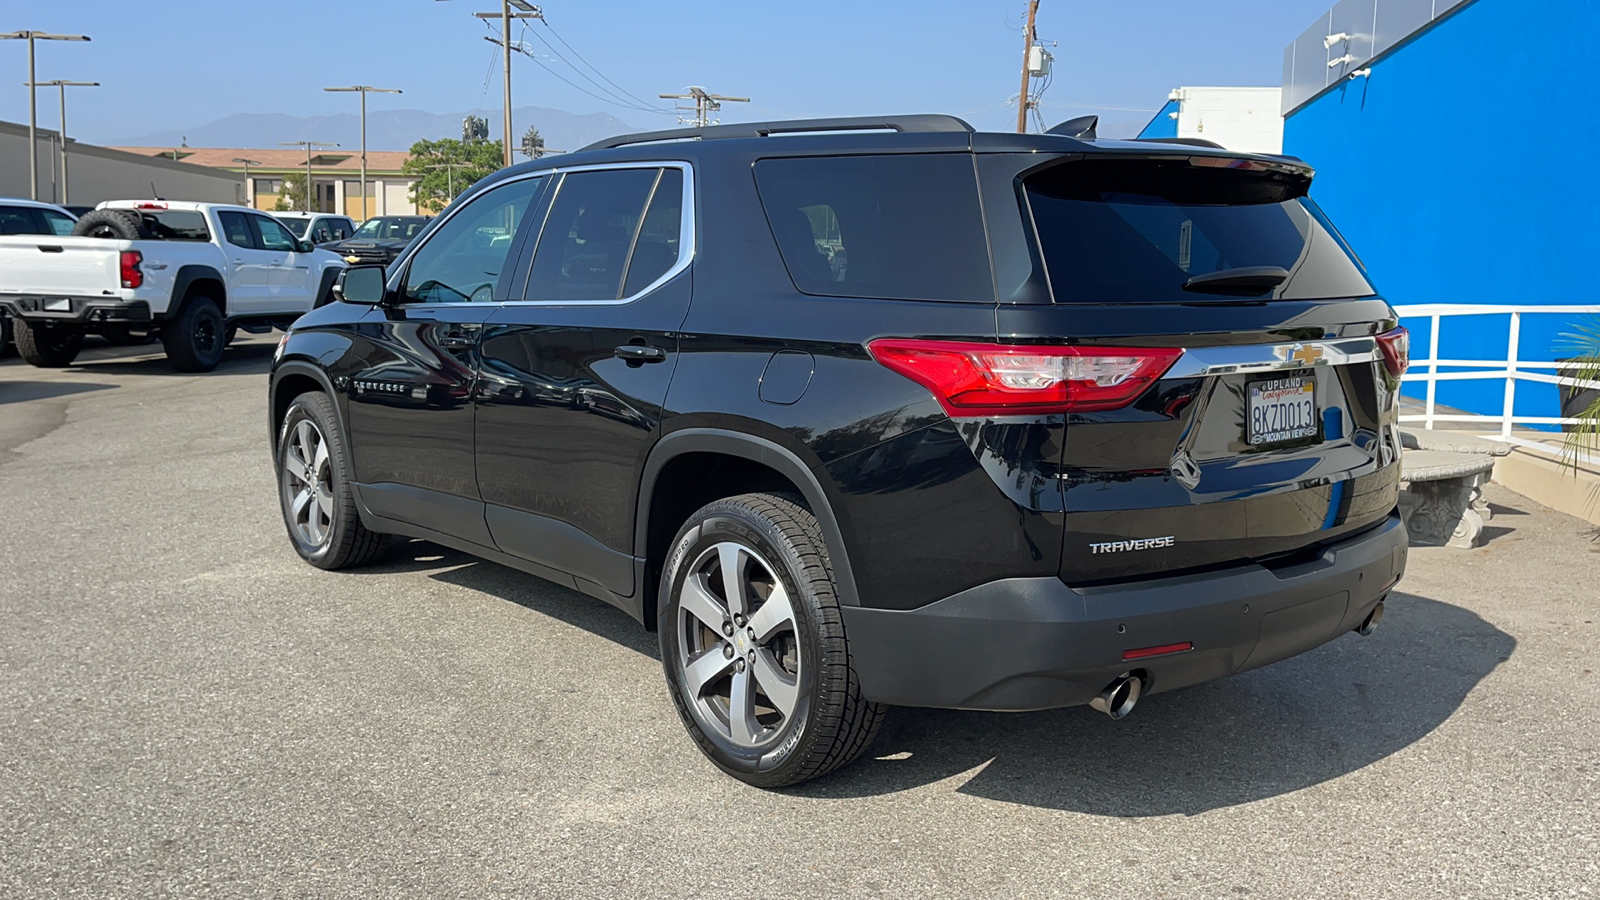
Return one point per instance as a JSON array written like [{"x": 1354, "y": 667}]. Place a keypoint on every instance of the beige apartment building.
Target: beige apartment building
[{"x": 335, "y": 176}]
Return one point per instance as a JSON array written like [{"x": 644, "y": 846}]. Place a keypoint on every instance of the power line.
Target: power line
[
  {"x": 596, "y": 71},
  {"x": 620, "y": 98}
]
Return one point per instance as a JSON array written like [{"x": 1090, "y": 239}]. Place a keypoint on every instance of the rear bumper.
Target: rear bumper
[
  {"x": 83, "y": 310},
  {"x": 1036, "y": 643}
]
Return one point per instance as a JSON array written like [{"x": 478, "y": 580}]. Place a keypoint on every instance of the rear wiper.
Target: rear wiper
[{"x": 1242, "y": 280}]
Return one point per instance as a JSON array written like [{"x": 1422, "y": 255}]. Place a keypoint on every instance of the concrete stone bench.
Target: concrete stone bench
[{"x": 1442, "y": 503}]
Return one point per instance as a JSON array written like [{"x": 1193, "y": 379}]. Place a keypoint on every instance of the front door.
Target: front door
[
  {"x": 411, "y": 409},
  {"x": 573, "y": 378},
  {"x": 288, "y": 271}
]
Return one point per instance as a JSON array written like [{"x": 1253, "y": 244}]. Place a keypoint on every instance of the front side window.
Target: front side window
[
  {"x": 896, "y": 227},
  {"x": 462, "y": 260},
  {"x": 274, "y": 236},
  {"x": 592, "y": 230}
]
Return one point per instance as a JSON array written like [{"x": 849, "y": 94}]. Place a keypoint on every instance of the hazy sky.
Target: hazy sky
[{"x": 181, "y": 63}]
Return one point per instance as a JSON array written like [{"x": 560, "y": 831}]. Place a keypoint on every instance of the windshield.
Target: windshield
[
  {"x": 296, "y": 224},
  {"x": 1147, "y": 231},
  {"x": 390, "y": 229}
]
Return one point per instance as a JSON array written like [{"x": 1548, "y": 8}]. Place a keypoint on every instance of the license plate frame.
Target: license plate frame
[
  {"x": 56, "y": 304},
  {"x": 1282, "y": 409}
]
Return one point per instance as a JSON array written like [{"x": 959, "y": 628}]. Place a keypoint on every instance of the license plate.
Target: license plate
[
  {"x": 1282, "y": 409},
  {"x": 58, "y": 304}
]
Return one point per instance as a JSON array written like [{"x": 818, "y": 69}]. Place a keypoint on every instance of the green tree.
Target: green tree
[
  {"x": 446, "y": 167},
  {"x": 293, "y": 195},
  {"x": 1584, "y": 438}
]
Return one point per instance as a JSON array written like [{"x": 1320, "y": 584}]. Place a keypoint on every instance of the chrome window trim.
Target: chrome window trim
[
  {"x": 1244, "y": 360},
  {"x": 686, "y": 233}
]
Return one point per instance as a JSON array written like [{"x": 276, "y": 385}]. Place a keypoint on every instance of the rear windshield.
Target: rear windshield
[
  {"x": 902, "y": 227},
  {"x": 175, "y": 225},
  {"x": 1136, "y": 231},
  {"x": 297, "y": 225}
]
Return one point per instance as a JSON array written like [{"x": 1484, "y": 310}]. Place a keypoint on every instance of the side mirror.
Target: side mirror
[
  {"x": 362, "y": 284},
  {"x": 305, "y": 246}
]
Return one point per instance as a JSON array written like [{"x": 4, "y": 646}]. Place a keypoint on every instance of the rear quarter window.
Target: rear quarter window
[
  {"x": 895, "y": 226},
  {"x": 1135, "y": 231}
]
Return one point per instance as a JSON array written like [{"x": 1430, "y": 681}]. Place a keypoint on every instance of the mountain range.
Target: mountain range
[{"x": 388, "y": 129}]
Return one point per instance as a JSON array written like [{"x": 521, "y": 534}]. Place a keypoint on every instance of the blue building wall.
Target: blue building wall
[
  {"x": 1165, "y": 124},
  {"x": 1464, "y": 170}
]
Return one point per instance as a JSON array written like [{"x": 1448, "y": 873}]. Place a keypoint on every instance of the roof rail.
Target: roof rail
[{"x": 916, "y": 123}]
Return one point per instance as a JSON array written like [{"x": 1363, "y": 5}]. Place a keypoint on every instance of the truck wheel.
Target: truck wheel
[
  {"x": 754, "y": 647},
  {"x": 314, "y": 488},
  {"x": 119, "y": 224},
  {"x": 48, "y": 346},
  {"x": 194, "y": 339}
]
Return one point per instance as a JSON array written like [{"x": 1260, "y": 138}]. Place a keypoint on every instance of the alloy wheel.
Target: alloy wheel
[
  {"x": 308, "y": 484},
  {"x": 738, "y": 645}
]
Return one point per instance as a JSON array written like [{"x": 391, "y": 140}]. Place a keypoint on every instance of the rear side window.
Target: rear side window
[
  {"x": 903, "y": 226},
  {"x": 1135, "y": 231},
  {"x": 593, "y": 223},
  {"x": 236, "y": 228}
]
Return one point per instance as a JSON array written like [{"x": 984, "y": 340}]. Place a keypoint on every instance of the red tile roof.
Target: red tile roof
[{"x": 335, "y": 158}]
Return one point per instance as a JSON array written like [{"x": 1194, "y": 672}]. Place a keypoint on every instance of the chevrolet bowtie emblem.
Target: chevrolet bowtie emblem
[{"x": 1304, "y": 354}]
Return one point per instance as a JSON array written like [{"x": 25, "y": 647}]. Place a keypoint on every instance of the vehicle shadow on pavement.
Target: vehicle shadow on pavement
[
  {"x": 249, "y": 357},
  {"x": 22, "y": 391},
  {"x": 1262, "y": 734},
  {"x": 530, "y": 592}
]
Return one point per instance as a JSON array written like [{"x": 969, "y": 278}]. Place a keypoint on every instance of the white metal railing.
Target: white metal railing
[{"x": 1512, "y": 369}]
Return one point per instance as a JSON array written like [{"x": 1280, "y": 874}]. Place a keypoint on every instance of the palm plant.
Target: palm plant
[{"x": 1584, "y": 345}]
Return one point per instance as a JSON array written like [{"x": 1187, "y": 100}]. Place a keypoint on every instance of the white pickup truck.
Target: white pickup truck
[{"x": 190, "y": 273}]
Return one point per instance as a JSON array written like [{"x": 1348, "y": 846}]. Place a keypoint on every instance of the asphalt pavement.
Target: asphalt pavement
[{"x": 188, "y": 710}]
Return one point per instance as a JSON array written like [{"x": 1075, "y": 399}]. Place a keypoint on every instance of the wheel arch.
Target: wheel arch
[
  {"x": 198, "y": 279},
  {"x": 290, "y": 380},
  {"x": 661, "y": 500}
]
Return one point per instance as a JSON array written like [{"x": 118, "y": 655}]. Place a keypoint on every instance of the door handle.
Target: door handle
[
  {"x": 458, "y": 341},
  {"x": 640, "y": 353}
]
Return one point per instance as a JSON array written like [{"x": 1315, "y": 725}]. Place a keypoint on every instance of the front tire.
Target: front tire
[
  {"x": 48, "y": 346},
  {"x": 194, "y": 339},
  {"x": 761, "y": 673},
  {"x": 314, "y": 490}
]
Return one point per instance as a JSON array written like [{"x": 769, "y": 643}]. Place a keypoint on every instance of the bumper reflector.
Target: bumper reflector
[{"x": 1162, "y": 650}]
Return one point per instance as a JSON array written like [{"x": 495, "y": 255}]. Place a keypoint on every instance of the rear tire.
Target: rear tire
[
  {"x": 48, "y": 346},
  {"x": 761, "y": 676},
  {"x": 314, "y": 492},
  {"x": 194, "y": 339}
]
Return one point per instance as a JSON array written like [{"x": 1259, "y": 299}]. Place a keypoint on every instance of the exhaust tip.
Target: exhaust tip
[
  {"x": 1370, "y": 623},
  {"x": 1119, "y": 697}
]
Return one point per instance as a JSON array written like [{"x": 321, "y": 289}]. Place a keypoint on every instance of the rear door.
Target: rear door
[
  {"x": 1274, "y": 429},
  {"x": 248, "y": 284},
  {"x": 574, "y": 376}
]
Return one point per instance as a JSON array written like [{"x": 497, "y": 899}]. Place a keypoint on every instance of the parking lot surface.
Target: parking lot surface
[{"x": 187, "y": 709}]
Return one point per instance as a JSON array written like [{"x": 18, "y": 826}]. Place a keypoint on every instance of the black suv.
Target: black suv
[{"x": 892, "y": 414}]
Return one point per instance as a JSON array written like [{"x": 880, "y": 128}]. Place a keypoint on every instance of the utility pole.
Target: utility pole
[
  {"x": 249, "y": 193},
  {"x": 1028, "y": 37},
  {"x": 33, "y": 97},
  {"x": 450, "y": 176},
  {"x": 310, "y": 186},
  {"x": 526, "y": 10},
  {"x": 364, "y": 90},
  {"x": 704, "y": 104},
  {"x": 63, "y": 85}
]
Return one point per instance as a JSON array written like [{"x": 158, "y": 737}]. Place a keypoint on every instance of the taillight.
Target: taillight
[
  {"x": 1396, "y": 348},
  {"x": 132, "y": 276},
  {"x": 971, "y": 379}
]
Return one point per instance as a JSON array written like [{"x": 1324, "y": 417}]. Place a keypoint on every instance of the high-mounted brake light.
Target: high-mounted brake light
[
  {"x": 151, "y": 206},
  {"x": 132, "y": 275},
  {"x": 972, "y": 379},
  {"x": 1396, "y": 348}
]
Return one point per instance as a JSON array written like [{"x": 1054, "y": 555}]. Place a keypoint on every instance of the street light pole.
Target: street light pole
[
  {"x": 33, "y": 104},
  {"x": 249, "y": 193},
  {"x": 363, "y": 90},
  {"x": 63, "y": 85},
  {"x": 310, "y": 185}
]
